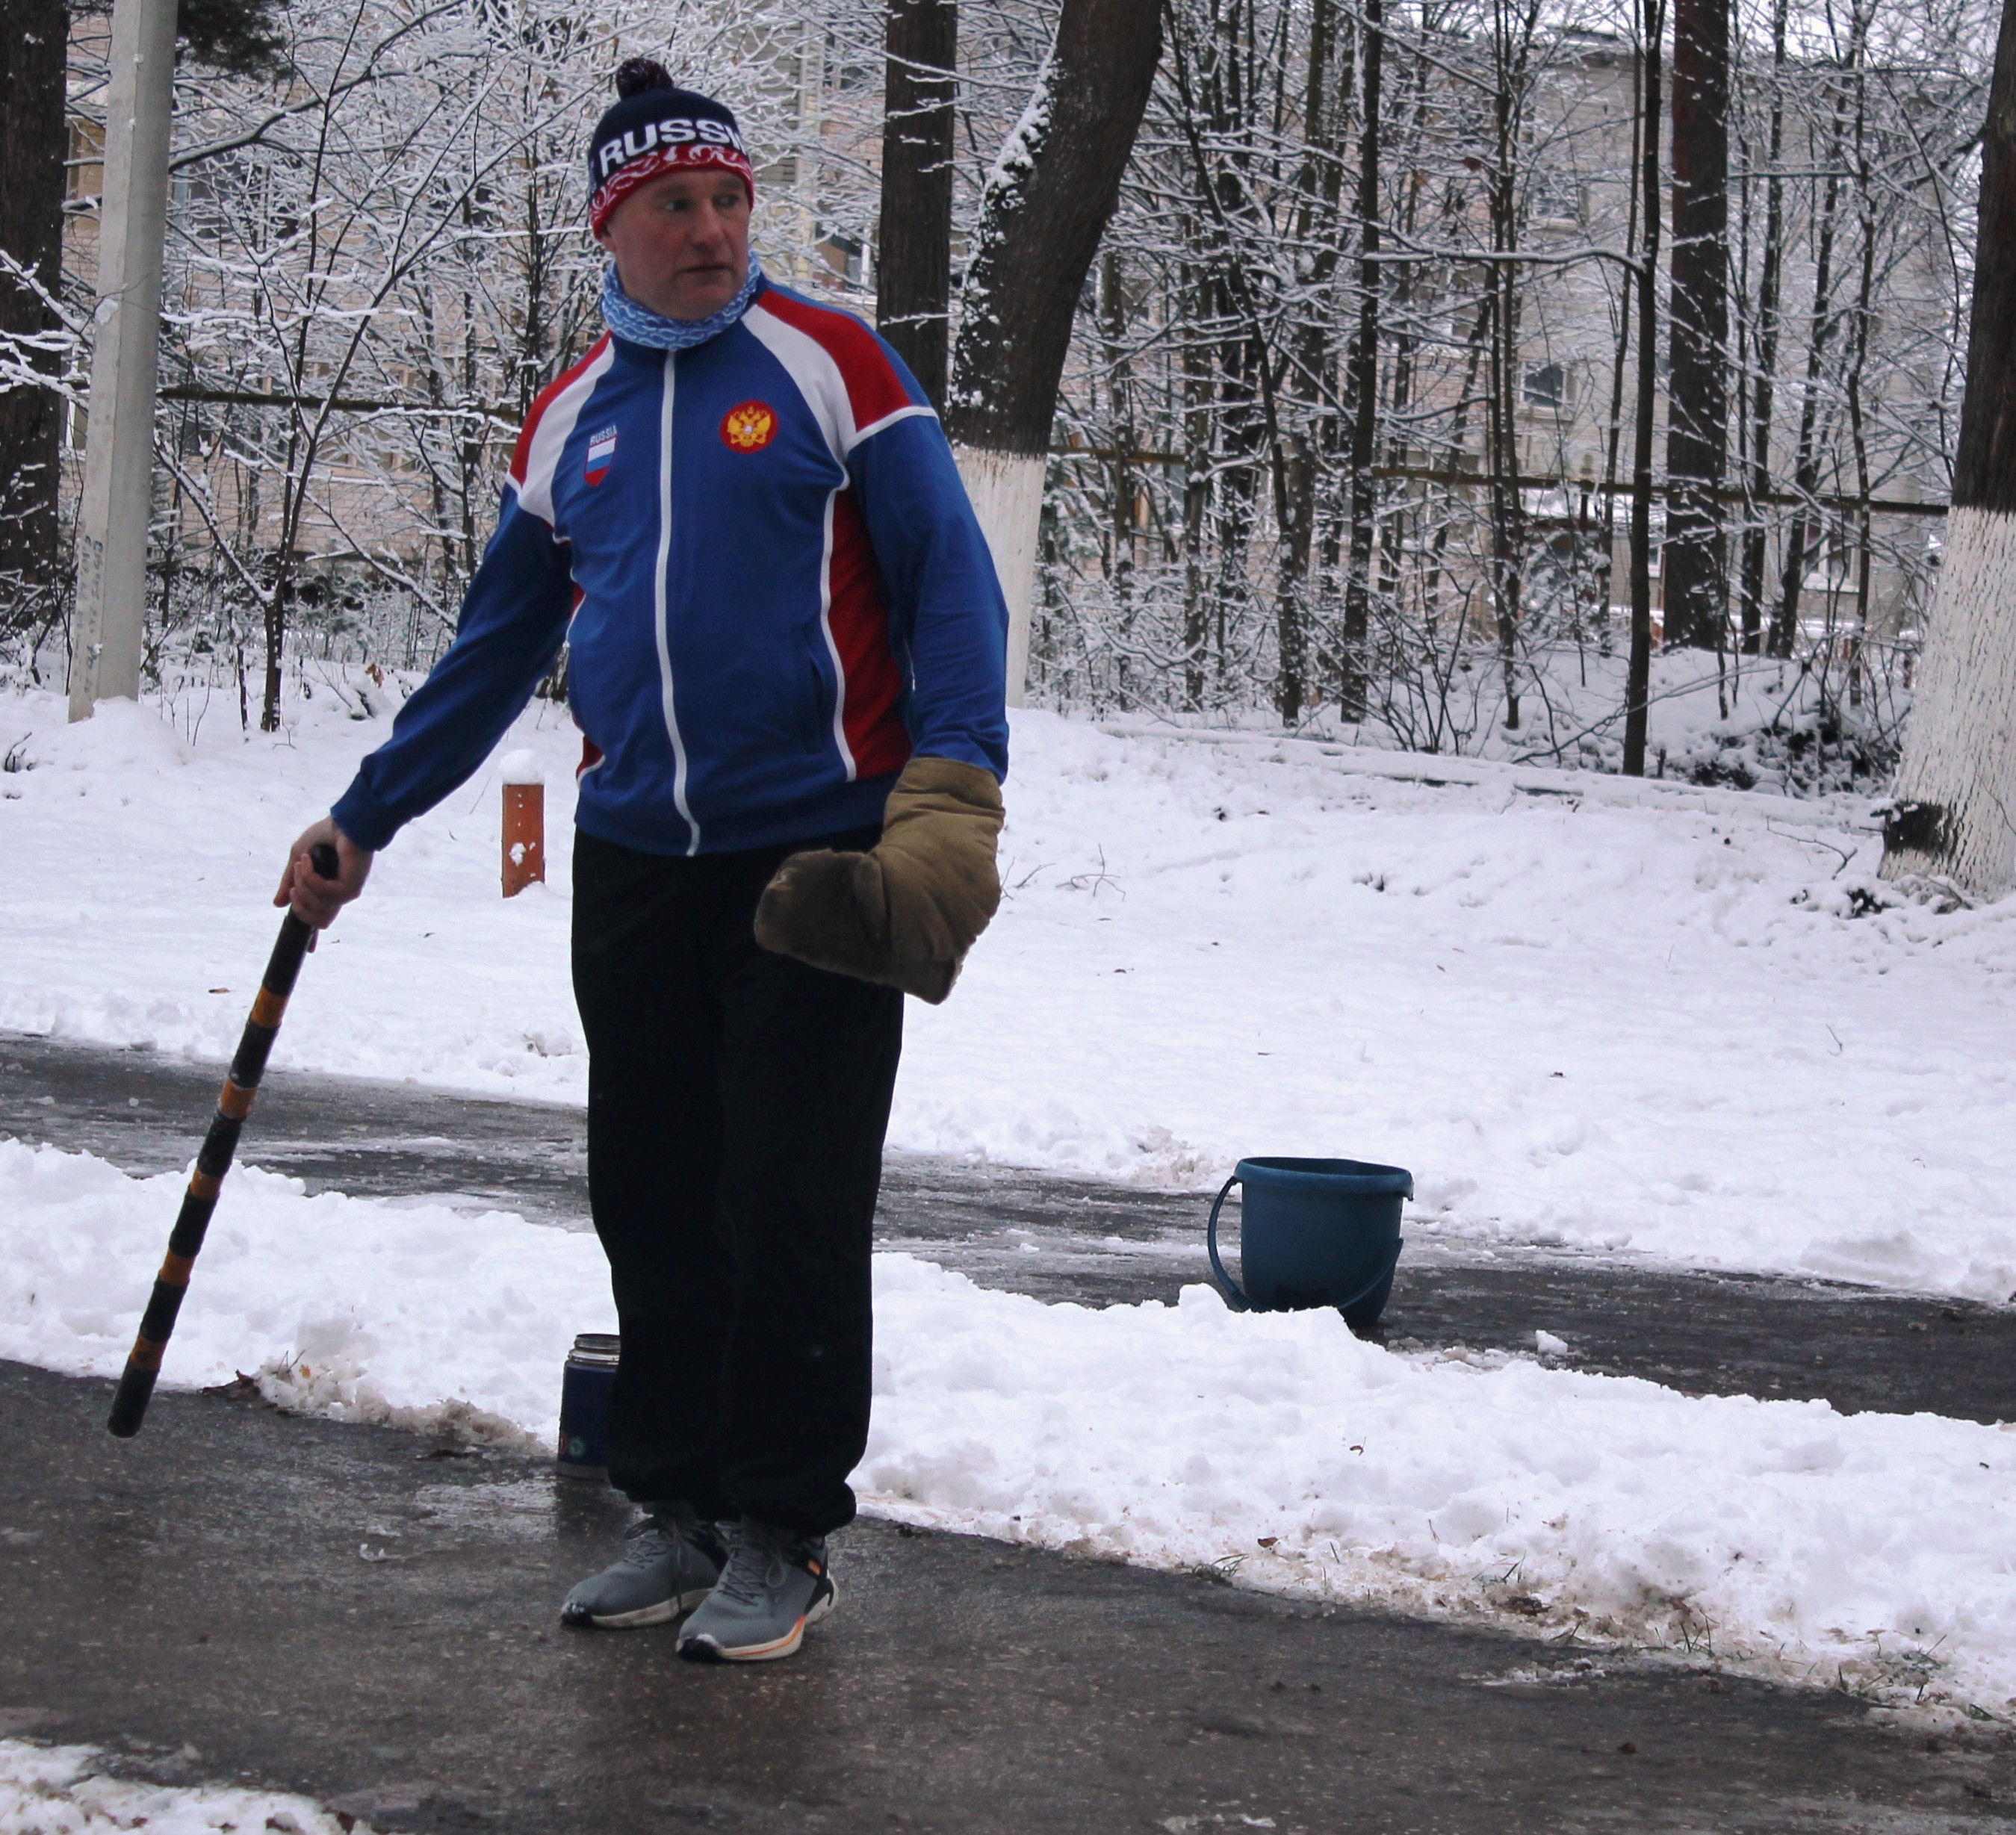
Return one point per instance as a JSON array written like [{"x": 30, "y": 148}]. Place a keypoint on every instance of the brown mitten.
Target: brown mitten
[{"x": 905, "y": 914}]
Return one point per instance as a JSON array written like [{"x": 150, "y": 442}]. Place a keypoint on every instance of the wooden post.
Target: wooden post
[{"x": 524, "y": 823}]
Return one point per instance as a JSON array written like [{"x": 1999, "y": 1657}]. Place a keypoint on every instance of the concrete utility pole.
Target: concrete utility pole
[{"x": 119, "y": 452}]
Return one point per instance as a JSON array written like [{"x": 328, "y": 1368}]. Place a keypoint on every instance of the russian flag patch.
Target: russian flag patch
[{"x": 601, "y": 451}]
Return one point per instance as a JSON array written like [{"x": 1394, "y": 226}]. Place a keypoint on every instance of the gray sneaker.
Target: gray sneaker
[
  {"x": 670, "y": 1562},
  {"x": 774, "y": 1585}
]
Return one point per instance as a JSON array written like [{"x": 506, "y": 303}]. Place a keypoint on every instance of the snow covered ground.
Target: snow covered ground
[
  {"x": 1276, "y": 1446},
  {"x": 1626, "y": 1016},
  {"x": 1641, "y": 1018},
  {"x": 58, "y": 1790}
]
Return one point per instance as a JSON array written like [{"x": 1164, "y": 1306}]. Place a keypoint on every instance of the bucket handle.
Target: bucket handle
[
  {"x": 1373, "y": 1286},
  {"x": 1235, "y": 1295}
]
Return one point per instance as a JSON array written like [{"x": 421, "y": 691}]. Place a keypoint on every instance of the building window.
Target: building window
[
  {"x": 850, "y": 66},
  {"x": 1546, "y": 387},
  {"x": 846, "y": 256},
  {"x": 83, "y": 175}
]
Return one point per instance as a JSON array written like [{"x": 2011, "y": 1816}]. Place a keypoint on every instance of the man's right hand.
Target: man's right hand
[{"x": 316, "y": 900}]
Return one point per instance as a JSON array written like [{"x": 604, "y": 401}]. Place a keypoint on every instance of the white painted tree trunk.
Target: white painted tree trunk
[
  {"x": 1007, "y": 493},
  {"x": 1960, "y": 743}
]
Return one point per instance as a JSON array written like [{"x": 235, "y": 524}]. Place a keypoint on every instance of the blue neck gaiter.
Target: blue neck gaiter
[{"x": 641, "y": 326}]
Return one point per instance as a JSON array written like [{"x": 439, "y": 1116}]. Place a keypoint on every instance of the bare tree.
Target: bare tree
[
  {"x": 1638, "y": 673},
  {"x": 33, "y": 42},
  {"x": 1364, "y": 374},
  {"x": 1763, "y": 390},
  {"x": 1697, "y": 425},
  {"x": 1046, "y": 205},
  {"x": 1823, "y": 320},
  {"x": 913, "y": 257},
  {"x": 1956, "y": 810}
]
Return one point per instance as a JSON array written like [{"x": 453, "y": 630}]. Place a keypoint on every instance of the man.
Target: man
[{"x": 786, "y": 656}]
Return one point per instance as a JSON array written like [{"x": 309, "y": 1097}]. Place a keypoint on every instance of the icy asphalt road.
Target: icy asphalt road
[
  {"x": 353, "y": 1614},
  {"x": 1059, "y": 1239},
  {"x": 367, "y": 1618}
]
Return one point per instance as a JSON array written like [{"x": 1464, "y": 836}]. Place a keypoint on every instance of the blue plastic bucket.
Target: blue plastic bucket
[
  {"x": 590, "y": 1375},
  {"x": 1314, "y": 1232}
]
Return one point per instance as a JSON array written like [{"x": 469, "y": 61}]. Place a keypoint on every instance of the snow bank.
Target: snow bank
[
  {"x": 1584, "y": 1011},
  {"x": 407, "y": 1315},
  {"x": 56, "y": 1790},
  {"x": 1274, "y": 1446},
  {"x": 1280, "y": 1449}
]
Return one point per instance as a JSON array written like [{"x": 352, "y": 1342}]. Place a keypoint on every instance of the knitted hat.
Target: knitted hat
[{"x": 657, "y": 127}]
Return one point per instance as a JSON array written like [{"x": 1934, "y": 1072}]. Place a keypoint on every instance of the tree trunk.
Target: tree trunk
[
  {"x": 1046, "y": 205},
  {"x": 1614, "y": 433},
  {"x": 1769, "y": 281},
  {"x": 1508, "y": 521},
  {"x": 1126, "y": 487},
  {"x": 1698, "y": 406},
  {"x": 1638, "y": 670},
  {"x": 1195, "y": 293},
  {"x": 1459, "y": 440},
  {"x": 1512, "y": 43},
  {"x": 1857, "y": 370},
  {"x": 1403, "y": 518},
  {"x": 1508, "y": 517},
  {"x": 1364, "y": 382},
  {"x": 1955, "y": 809},
  {"x": 1243, "y": 419},
  {"x": 33, "y": 41},
  {"x": 914, "y": 249},
  {"x": 1308, "y": 376},
  {"x": 1805, "y": 464}
]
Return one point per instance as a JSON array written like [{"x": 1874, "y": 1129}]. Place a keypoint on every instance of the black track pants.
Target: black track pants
[{"x": 736, "y": 1105}]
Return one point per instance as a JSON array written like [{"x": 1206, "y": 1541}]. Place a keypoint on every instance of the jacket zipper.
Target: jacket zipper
[{"x": 661, "y": 608}]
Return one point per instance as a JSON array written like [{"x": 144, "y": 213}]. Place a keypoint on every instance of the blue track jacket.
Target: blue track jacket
[{"x": 772, "y": 584}]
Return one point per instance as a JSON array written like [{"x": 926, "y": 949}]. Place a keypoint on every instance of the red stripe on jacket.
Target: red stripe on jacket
[
  {"x": 858, "y": 613},
  {"x": 858, "y": 617}
]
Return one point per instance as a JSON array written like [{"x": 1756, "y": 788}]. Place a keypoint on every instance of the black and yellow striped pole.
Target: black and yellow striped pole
[{"x": 248, "y": 1065}]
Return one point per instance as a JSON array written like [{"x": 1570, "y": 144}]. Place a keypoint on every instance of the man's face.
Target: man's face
[{"x": 682, "y": 242}]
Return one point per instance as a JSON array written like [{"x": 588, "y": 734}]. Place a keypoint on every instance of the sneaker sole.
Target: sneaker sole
[
  {"x": 662, "y": 1612},
  {"x": 705, "y": 1650}
]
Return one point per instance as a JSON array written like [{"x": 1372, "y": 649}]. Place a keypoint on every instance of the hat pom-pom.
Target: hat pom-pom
[{"x": 639, "y": 76}]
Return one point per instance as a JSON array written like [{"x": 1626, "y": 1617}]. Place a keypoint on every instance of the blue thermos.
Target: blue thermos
[{"x": 585, "y": 1387}]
